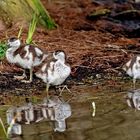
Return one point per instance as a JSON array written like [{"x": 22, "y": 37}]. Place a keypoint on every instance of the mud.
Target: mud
[{"x": 96, "y": 48}]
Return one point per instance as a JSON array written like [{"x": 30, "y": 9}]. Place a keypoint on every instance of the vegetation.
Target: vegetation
[
  {"x": 4, "y": 129},
  {"x": 13, "y": 10},
  {"x": 3, "y": 48},
  {"x": 28, "y": 7},
  {"x": 45, "y": 19},
  {"x": 32, "y": 28}
]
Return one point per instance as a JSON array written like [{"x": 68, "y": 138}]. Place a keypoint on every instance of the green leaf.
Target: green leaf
[
  {"x": 45, "y": 18},
  {"x": 32, "y": 28}
]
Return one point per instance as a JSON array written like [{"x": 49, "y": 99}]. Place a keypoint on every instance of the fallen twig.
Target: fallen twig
[
  {"x": 111, "y": 56},
  {"x": 130, "y": 51}
]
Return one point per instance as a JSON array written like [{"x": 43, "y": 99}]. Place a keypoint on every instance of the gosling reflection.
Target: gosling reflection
[
  {"x": 133, "y": 99},
  {"x": 54, "y": 109}
]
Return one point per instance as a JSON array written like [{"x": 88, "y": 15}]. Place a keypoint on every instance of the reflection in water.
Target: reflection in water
[
  {"x": 53, "y": 109},
  {"x": 114, "y": 120},
  {"x": 94, "y": 109},
  {"x": 133, "y": 99}
]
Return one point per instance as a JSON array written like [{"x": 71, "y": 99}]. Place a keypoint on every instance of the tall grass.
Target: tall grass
[
  {"x": 45, "y": 19},
  {"x": 32, "y": 28}
]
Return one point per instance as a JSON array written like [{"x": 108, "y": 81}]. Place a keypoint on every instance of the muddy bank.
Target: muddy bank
[{"x": 94, "y": 34}]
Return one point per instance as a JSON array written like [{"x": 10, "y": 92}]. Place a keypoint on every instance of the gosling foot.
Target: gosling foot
[
  {"x": 61, "y": 89},
  {"x": 19, "y": 77},
  {"x": 26, "y": 81}
]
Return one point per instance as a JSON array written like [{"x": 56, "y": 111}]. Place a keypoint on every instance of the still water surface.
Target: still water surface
[{"x": 114, "y": 120}]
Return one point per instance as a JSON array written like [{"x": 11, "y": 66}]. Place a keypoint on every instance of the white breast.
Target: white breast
[
  {"x": 9, "y": 55},
  {"x": 136, "y": 68},
  {"x": 60, "y": 73}
]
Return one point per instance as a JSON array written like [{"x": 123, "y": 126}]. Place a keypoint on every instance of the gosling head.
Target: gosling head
[
  {"x": 60, "y": 55},
  {"x": 13, "y": 42}
]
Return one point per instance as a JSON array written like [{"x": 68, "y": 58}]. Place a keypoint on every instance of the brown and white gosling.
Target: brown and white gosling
[
  {"x": 25, "y": 56},
  {"x": 132, "y": 68},
  {"x": 54, "y": 70}
]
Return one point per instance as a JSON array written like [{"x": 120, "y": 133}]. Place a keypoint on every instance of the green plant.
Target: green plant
[
  {"x": 45, "y": 18},
  {"x": 32, "y": 28},
  {"x": 3, "y": 48},
  {"x": 47, "y": 21}
]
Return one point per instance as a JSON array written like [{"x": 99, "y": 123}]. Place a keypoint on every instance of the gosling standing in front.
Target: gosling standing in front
[
  {"x": 54, "y": 70},
  {"x": 132, "y": 68},
  {"x": 25, "y": 56}
]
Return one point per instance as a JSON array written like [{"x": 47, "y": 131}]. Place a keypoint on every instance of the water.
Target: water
[{"x": 114, "y": 120}]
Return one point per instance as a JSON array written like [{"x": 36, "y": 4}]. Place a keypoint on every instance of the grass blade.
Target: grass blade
[
  {"x": 45, "y": 18},
  {"x": 20, "y": 31},
  {"x": 32, "y": 28},
  {"x": 3, "y": 127}
]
